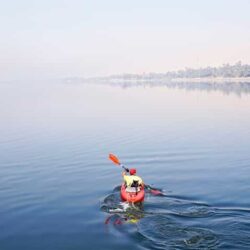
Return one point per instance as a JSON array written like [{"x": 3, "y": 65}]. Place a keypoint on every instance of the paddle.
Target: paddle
[
  {"x": 116, "y": 161},
  {"x": 153, "y": 191}
]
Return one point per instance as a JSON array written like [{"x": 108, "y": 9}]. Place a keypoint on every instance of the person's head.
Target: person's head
[{"x": 132, "y": 171}]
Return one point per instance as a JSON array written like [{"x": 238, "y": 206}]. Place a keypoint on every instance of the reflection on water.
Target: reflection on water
[
  {"x": 237, "y": 88},
  {"x": 226, "y": 88}
]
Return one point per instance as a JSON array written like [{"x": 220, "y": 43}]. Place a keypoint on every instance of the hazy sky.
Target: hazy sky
[{"x": 58, "y": 38}]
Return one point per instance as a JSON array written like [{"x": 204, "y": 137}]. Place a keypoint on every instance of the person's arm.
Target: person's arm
[{"x": 124, "y": 176}]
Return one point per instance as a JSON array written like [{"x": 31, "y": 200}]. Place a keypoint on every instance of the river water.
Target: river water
[{"x": 58, "y": 190}]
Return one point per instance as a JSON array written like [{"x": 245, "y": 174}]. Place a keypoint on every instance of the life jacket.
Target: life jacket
[{"x": 132, "y": 180}]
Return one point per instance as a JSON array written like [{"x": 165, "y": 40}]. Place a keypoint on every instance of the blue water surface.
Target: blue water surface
[{"x": 58, "y": 190}]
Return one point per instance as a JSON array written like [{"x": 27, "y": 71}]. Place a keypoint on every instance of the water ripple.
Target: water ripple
[
  {"x": 176, "y": 222},
  {"x": 161, "y": 232}
]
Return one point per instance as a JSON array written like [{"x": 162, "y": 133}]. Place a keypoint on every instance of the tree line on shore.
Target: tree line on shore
[{"x": 226, "y": 71}]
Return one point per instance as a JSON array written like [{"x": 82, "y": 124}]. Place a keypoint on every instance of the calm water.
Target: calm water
[{"x": 58, "y": 190}]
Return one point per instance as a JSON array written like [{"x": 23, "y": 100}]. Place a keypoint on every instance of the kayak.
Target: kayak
[{"x": 132, "y": 196}]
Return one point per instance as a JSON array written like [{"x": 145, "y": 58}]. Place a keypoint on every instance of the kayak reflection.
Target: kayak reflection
[{"x": 131, "y": 213}]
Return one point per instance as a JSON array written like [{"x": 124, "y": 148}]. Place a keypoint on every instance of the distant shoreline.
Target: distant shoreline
[
  {"x": 226, "y": 73},
  {"x": 237, "y": 73},
  {"x": 187, "y": 80},
  {"x": 226, "y": 85}
]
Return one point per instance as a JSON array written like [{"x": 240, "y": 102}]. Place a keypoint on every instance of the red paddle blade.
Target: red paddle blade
[{"x": 114, "y": 159}]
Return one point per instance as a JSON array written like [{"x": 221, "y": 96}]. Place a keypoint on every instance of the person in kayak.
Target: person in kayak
[{"x": 133, "y": 182}]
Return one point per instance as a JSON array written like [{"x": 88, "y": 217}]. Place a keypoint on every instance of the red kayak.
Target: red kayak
[{"x": 132, "y": 196}]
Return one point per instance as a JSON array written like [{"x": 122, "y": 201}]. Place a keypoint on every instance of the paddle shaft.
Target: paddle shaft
[{"x": 126, "y": 169}]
